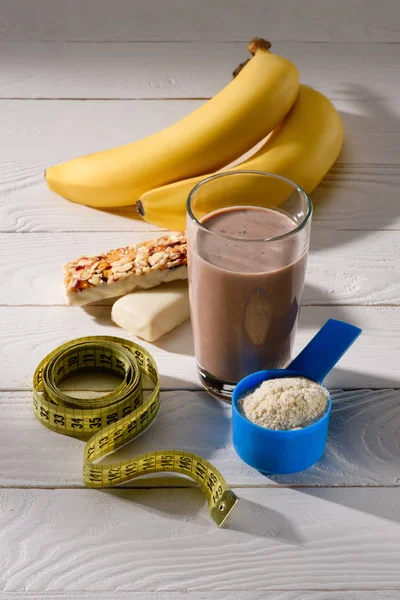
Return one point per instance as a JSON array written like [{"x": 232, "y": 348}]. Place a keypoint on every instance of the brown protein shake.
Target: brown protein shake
[{"x": 245, "y": 292}]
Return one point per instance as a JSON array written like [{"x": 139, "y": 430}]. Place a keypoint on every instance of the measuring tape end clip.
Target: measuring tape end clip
[{"x": 224, "y": 507}]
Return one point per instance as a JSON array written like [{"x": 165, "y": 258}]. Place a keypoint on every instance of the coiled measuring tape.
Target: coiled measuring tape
[{"x": 113, "y": 420}]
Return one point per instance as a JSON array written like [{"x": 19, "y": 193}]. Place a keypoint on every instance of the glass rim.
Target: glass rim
[{"x": 294, "y": 231}]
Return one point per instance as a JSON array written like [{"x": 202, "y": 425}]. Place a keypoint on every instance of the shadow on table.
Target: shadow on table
[
  {"x": 360, "y": 467},
  {"x": 362, "y": 447},
  {"x": 178, "y": 341},
  {"x": 372, "y": 108},
  {"x": 384, "y": 210},
  {"x": 101, "y": 314},
  {"x": 192, "y": 421},
  {"x": 178, "y": 504},
  {"x": 380, "y": 502},
  {"x": 377, "y": 382},
  {"x": 316, "y": 297},
  {"x": 261, "y": 521},
  {"x": 185, "y": 504}
]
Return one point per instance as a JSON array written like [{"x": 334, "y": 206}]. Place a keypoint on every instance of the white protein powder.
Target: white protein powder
[{"x": 286, "y": 403}]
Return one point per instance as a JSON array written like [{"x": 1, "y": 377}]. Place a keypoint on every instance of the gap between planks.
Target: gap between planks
[
  {"x": 105, "y": 305},
  {"x": 270, "y": 594},
  {"x": 361, "y": 449},
  {"x": 189, "y": 484},
  {"x": 153, "y": 232},
  {"x": 198, "y": 389},
  {"x": 322, "y": 538},
  {"x": 292, "y": 594},
  {"x": 63, "y": 70},
  {"x": 85, "y": 99},
  {"x": 208, "y": 42}
]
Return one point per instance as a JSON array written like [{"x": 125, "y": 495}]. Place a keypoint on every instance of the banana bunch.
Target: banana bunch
[
  {"x": 303, "y": 149},
  {"x": 222, "y": 129},
  {"x": 158, "y": 172}
]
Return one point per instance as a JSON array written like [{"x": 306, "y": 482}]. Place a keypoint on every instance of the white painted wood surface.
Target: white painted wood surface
[
  {"x": 362, "y": 448},
  {"x": 38, "y": 134},
  {"x": 86, "y": 127},
  {"x": 188, "y": 20},
  {"x": 359, "y": 198},
  {"x": 263, "y": 595},
  {"x": 31, "y": 332},
  {"x": 278, "y": 539},
  {"x": 363, "y": 273},
  {"x": 64, "y": 70},
  {"x": 81, "y": 76}
]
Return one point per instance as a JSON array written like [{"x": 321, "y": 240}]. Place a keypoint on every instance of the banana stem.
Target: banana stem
[
  {"x": 256, "y": 43},
  {"x": 140, "y": 208}
]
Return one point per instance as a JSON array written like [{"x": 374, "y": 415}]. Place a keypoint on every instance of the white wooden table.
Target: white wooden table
[{"x": 83, "y": 75}]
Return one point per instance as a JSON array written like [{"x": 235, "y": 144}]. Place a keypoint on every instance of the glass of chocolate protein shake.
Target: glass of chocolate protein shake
[{"x": 248, "y": 237}]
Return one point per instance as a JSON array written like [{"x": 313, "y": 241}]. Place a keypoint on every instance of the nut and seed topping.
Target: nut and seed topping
[{"x": 167, "y": 252}]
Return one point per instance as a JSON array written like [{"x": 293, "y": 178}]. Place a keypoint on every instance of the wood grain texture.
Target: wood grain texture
[
  {"x": 164, "y": 540},
  {"x": 39, "y": 134},
  {"x": 362, "y": 445},
  {"x": 298, "y": 543},
  {"x": 350, "y": 198},
  {"x": 29, "y": 333},
  {"x": 344, "y": 267},
  {"x": 36, "y": 134},
  {"x": 263, "y": 595},
  {"x": 358, "y": 199},
  {"x": 92, "y": 70},
  {"x": 310, "y": 20}
]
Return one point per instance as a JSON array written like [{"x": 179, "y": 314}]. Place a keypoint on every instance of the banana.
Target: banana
[
  {"x": 222, "y": 129},
  {"x": 302, "y": 148}
]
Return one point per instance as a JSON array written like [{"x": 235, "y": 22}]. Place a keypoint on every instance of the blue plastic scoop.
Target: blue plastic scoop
[{"x": 289, "y": 451}]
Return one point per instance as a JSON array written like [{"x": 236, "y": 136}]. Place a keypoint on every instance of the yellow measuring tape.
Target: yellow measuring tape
[{"x": 113, "y": 420}]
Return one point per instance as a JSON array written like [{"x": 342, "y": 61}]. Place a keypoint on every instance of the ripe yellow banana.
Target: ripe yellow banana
[
  {"x": 302, "y": 148},
  {"x": 222, "y": 129}
]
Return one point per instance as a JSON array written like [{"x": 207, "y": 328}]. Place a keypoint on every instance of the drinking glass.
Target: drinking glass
[{"x": 248, "y": 238}]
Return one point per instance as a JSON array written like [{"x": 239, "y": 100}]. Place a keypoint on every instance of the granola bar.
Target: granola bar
[{"x": 120, "y": 271}]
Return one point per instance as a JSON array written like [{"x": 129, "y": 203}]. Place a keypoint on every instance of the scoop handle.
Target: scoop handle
[{"x": 325, "y": 349}]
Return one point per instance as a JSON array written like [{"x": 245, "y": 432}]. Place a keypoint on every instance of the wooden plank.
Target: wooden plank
[
  {"x": 344, "y": 267},
  {"x": 62, "y": 129},
  {"x": 312, "y": 20},
  {"x": 264, "y": 595},
  {"x": 359, "y": 200},
  {"x": 56, "y": 138},
  {"x": 92, "y": 70},
  {"x": 29, "y": 333},
  {"x": 164, "y": 540},
  {"x": 348, "y": 198},
  {"x": 361, "y": 448}
]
